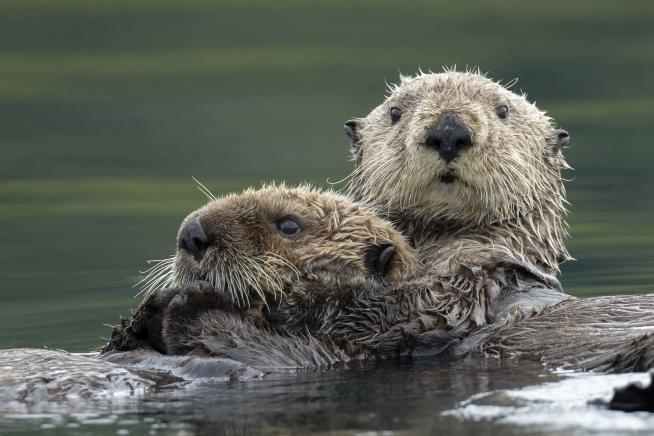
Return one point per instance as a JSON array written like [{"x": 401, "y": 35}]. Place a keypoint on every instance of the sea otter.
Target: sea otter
[{"x": 469, "y": 170}]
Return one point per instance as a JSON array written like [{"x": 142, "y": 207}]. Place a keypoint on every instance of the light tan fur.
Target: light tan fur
[{"x": 507, "y": 200}]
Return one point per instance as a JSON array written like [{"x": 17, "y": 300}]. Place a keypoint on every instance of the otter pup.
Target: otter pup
[
  {"x": 468, "y": 170},
  {"x": 268, "y": 271},
  {"x": 277, "y": 257}
]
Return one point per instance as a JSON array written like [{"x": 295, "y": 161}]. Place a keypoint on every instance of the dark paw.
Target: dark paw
[{"x": 141, "y": 331}]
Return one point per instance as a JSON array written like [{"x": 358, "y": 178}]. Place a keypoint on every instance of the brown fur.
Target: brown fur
[
  {"x": 251, "y": 259},
  {"x": 277, "y": 293},
  {"x": 263, "y": 276}
]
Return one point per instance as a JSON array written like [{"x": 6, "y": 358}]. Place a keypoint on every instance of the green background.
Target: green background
[{"x": 108, "y": 108}]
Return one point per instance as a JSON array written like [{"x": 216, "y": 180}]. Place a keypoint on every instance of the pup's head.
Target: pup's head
[{"x": 264, "y": 243}]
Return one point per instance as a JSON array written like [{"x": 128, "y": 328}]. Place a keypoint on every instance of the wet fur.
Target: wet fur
[
  {"x": 508, "y": 202},
  {"x": 603, "y": 334},
  {"x": 251, "y": 261},
  {"x": 332, "y": 307},
  {"x": 505, "y": 208},
  {"x": 492, "y": 243},
  {"x": 617, "y": 332}
]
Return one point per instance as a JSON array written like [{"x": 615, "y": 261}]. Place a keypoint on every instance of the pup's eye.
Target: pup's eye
[
  {"x": 396, "y": 114},
  {"x": 502, "y": 112},
  {"x": 289, "y": 227}
]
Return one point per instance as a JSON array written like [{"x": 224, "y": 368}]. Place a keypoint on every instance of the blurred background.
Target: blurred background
[{"x": 109, "y": 107}]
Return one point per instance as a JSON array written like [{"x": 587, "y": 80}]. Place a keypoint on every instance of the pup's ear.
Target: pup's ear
[
  {"x": 378, "y": 258},
  {"x": 559, "y": 139},
  {"x": 352, "y": 130}
]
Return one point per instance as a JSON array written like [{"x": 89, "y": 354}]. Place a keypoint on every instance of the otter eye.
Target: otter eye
[
  {"x": 502, "y": 112},
  {"x": 396, "y": 114},
  {"x": 289, "y": 227}
]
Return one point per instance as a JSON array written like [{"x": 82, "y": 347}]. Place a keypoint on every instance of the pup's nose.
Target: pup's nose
[
  {"x": 448, "y": 137},
  {"x": 193, "y": 239}
]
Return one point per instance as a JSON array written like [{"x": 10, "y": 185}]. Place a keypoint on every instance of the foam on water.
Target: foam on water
[{"x": 577, "y": 403}]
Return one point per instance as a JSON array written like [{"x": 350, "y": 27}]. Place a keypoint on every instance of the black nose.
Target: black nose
[
  {"x": 193, "y": 239},
  {"x": 448, "y": 137},
  {"x": 352, "y": 128}
]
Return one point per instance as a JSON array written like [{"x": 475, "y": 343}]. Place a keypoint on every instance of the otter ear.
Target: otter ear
[
  {"x": 378, "y": 258},
  {"x": 559, "y": 139},
  {"x": 352, "y": 128}
]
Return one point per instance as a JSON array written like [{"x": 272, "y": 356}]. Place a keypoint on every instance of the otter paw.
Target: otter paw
[
  {"x": 198, "y": 293},
  {"x": 141, "y": 331},
  {"x": 196, "y": 298}
]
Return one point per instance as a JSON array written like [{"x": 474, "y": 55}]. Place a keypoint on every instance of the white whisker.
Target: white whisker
[{"x": 205, "y": 190}]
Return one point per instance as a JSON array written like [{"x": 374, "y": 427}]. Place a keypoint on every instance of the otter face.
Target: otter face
[
  {"x": 264, "y": 243},
  {"x": 456, "y": 146}
]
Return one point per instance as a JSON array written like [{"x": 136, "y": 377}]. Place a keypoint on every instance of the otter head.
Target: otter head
[
  {"x": 263, "y": 244},
  {"x": 458, "y": 147}
]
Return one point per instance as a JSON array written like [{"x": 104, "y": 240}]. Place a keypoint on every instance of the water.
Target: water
[
  {"x": 573, "y": 403},
  {"x": 108, "y": 108},
  {"x": 341, "y": 401}
]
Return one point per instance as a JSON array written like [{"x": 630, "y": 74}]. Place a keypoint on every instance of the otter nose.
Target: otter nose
[
  {"x": 193, "y": 239},
  {"x": 448, "y": 137}
]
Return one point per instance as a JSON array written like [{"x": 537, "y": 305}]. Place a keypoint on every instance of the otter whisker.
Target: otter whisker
[
  {"x": 157, "y": 283},
  {"x": 156, "y": 270},
  {"x": 246, "y": 282},
  {"x": 285, "y": 262},
  {"x": 346, "y": 180},
  {"x": 255, "y": 271},
  {"x": 205, "y": 190},
  {"x": 240, "y": 288},
  {"x": 251, "y": 284},
  {"x": 158, "y": 275},
  {"x": 158, "y": 263},
  {"x": 154, "y": 274}
]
